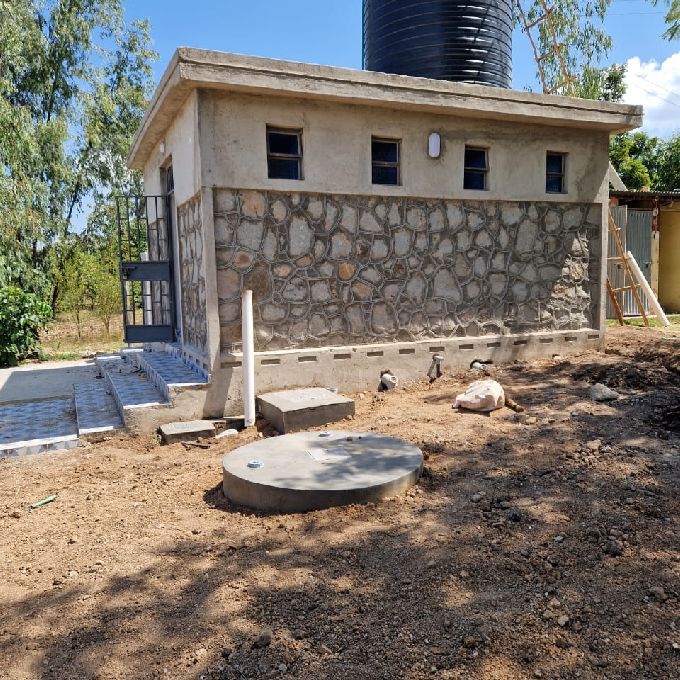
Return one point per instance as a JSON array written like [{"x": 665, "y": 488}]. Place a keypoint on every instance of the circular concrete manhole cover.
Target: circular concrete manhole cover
[{"x": 314, "y": 470}]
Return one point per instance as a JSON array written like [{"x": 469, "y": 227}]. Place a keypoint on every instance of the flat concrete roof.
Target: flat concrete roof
[{"x": 191, "y": 69}]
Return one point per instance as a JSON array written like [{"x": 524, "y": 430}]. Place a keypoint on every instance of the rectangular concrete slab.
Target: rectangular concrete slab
[
  {"x": 295, "y": 410},
  {"x": 185, "y": 431}
]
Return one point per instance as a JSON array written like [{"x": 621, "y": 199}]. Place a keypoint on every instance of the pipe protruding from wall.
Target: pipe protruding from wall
[{"x": 248, "y": 337}]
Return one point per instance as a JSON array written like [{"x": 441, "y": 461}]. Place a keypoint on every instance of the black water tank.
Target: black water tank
[{"x": 468, "y": 42}]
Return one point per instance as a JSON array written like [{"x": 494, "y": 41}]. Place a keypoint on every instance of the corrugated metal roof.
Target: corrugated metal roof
[{"x": 645, "y": 194}]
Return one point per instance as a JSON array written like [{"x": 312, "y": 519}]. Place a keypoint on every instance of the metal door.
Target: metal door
[
  {"x": 635, "y": 228},
  {"x": 639, "y": 243},
  {"x": 146, "y": 268},
  {"x": 639, "y": 239}
]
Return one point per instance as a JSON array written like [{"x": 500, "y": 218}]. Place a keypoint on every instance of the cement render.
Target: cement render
[
  {"x": 355, "y": 368},
  {"x": 312, "y": 470},
  {"x": 191, "y": 69},
  {"x": 295, "y": 410},
  {"x": 184, "y": 431}
]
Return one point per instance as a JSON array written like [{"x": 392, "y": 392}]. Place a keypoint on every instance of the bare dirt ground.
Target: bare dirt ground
[{"x": 538, "y": 546}]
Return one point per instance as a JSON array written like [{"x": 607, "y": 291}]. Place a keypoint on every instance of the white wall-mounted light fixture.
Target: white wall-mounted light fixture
[
  {"x": 162, "y": 148},
  {"x": 434, "y": 145}
]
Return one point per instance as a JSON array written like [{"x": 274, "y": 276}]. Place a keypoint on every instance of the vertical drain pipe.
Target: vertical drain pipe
[{"x": 248, "y": 337}]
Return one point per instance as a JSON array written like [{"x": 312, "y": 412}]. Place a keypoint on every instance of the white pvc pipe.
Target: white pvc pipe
[
  {"x": 653, "y": 302},
  {"x": 248, "y": 337}
]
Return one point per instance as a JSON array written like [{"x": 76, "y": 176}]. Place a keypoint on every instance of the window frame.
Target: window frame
[
  {"x": 477, "y": 171},
  {"x": 562, "y": 175},
  {"x": 386, "y": 164},
  {"x": 285, "y": 156}
]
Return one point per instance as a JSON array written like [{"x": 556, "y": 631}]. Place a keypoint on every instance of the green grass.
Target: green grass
[{"x": 653, "y": 321}]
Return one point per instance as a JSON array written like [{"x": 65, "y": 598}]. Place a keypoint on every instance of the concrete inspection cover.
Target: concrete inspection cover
[{"x": 314, "y": 470}]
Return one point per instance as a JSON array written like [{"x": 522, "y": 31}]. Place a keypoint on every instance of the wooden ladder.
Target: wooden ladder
[{"x": 628, "y": 280}]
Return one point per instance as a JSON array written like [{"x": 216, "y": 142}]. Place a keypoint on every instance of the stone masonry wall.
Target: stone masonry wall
[
  {"x": 192, "y": 280},
  {"x": 334, "y": 270}
]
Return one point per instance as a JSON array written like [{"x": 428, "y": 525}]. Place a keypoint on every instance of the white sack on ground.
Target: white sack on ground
[
  {"x": 389, "y": 380},
  {"x": 482, "y": 395}
]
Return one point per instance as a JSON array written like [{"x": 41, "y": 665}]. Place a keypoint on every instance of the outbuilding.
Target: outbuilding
[{"x": 378, "y": 219}]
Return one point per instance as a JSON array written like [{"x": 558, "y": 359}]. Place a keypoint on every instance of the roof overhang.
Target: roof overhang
[{"x": 191, "y": 69}]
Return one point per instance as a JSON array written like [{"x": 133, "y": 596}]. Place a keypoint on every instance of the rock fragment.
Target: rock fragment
[
  {"x": 600, "y": 392},
  {"x": 264, "y": 639},
  {"x": 614, "y": 548}
]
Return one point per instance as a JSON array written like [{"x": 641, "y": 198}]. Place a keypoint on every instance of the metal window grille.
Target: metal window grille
[{"x": 146, "y": 267}]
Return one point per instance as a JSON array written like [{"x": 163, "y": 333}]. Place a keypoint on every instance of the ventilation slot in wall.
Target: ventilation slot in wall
[
  {"x": 342, "y": 357},
  {"x": 546, "y": 341},
  {"x": 594, "y": 336},
  {"x": 307, "y": 359},
  {"x": 437, "y": 349},
  {"x": 520, "y": 342},
  {"x": 407, "y": 350},
  {"x": 466, "y": 348},
  {"x": 230, "y": 364},
  {"x": 493, "y": 344},
  {"x": 375, "y": 353},
  {"x": 570, "y": 338},
  {"x": 270, "y": 362}
]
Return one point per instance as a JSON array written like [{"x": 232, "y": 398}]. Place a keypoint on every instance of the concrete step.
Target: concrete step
[
  {"x": 37, "y": 427},
  {"x": 133, "y": 391},
  {"x": 152, "y": 388},
  {"x": 96, "y": 408},
  {"x": 169, "y": 373}
]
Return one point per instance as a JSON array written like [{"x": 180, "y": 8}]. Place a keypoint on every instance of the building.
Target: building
[
  {"x": 650, "y": 223},
  {"x": 378, "y": 219}
]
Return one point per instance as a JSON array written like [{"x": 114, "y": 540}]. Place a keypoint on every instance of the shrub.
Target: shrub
[
  {"x": 22, "y": 317},
  {"x": 107, "y": 299}
]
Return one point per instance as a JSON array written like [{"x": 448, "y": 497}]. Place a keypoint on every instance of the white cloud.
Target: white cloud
[{"x": 657, "y": 87}]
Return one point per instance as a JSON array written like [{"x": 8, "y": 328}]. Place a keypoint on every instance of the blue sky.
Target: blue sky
[{"x": 329, "y": 32}]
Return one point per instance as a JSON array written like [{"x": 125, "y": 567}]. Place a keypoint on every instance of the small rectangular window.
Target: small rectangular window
[
  {"x": 284, "y": 153},
  {"x": 476, "y": 168},
  {"x": 385, "y": 159},
  {"x": 555, "y": 172}
]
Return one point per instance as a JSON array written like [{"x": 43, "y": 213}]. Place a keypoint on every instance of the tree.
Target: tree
[
  {"x": 606, "y": 84},
  {"x": 672, "y": 18},
  {"x": 571, "y": 42},
  {"x": 645, "y": 162},
  {"x": 668, "y": 173},
  {"x": 107, "y": 300},
  {"x": 74, "y": 79},
  {"x": 74, "y": 282}
]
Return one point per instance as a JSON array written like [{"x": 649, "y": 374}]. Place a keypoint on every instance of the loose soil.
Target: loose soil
[{"x": 542, "y": 544}]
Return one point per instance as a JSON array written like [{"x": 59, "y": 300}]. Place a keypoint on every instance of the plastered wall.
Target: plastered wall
[
  {"x": 337, "y": 147},
  {"x": 180, "y": 146},
  {"x": 669, "y": 260}
]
